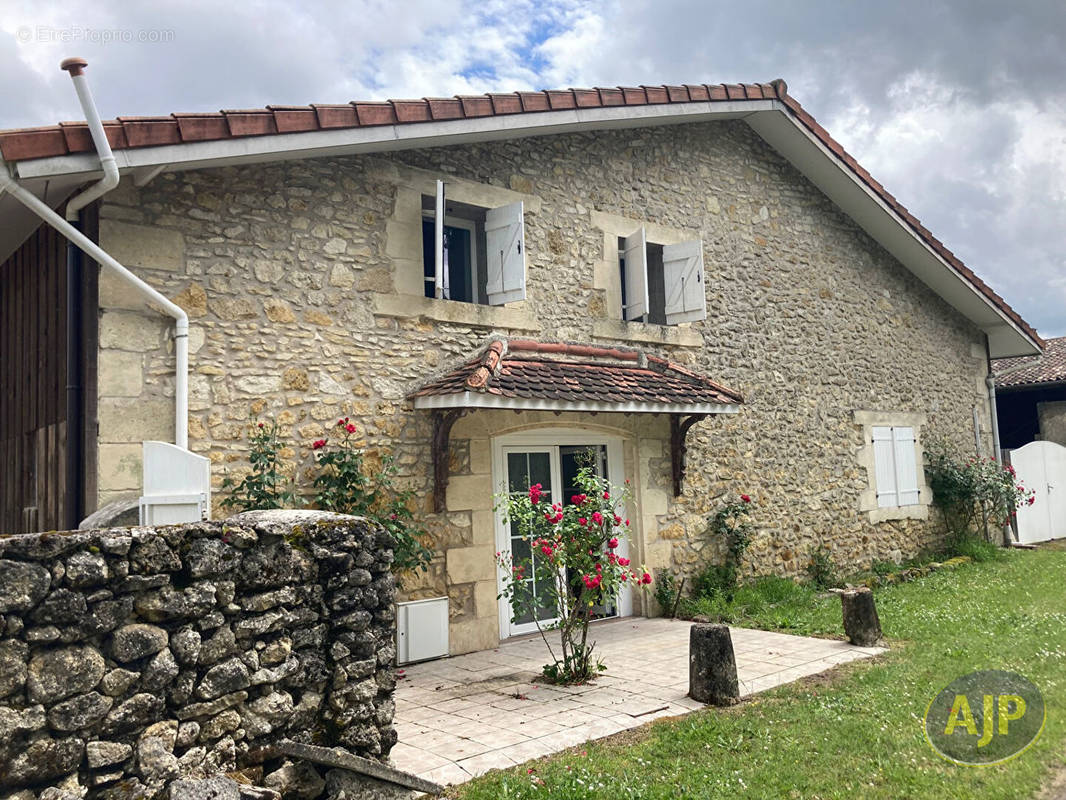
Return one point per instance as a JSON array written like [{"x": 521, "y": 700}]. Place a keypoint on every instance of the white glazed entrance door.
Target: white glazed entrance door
[{"x": 522, "y": 460}]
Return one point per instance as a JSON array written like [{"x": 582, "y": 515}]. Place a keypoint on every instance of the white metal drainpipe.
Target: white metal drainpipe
[{"x": 86, "y": 245}]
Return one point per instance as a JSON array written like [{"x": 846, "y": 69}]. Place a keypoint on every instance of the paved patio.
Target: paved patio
[{"x": 460, "y": 717}]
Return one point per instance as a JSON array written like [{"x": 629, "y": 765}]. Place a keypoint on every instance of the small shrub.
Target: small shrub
[
  {"x": 714, "y": 580},
  {"x": 976, "y": 548},
  {"x": 667, "y": 591},
  {"x": 263, "y": 487},
  {"x": 821, "y": 569},
  {"x": 883, "y": 568},
  {"x": 731, "y": 524}
]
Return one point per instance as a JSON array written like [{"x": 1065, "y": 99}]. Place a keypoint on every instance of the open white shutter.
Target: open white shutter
[
  {"x": 440, "y": 267},
  {"x": 906, "y": 466},
  {"x": 505, "y": 254},
  {"x": 636, "y": 256},
  {"x": 885, "y": 468},
  {"x": 686, "y": 300}
]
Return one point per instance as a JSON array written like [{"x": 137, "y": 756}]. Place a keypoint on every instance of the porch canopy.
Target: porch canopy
[{"x": 525, "y": 375}]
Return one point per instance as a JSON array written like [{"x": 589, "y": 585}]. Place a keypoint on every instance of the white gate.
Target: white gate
[{"x": 1041, "y": 466}]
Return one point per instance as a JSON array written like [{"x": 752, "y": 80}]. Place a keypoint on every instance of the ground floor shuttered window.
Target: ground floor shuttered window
[{"x": 896, "y": 463}]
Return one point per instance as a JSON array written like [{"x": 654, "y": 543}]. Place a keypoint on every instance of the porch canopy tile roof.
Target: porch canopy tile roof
[
  {"x": 556, "y": 376},
  {"x": 1025, "y": 371}
]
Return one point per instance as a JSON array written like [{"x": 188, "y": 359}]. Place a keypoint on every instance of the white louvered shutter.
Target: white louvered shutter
[
  {"x": 505, "y": 254},
  {"x": 636, "y": 256},
  {"x": 686, "y": 300},
  {"x": 885, "y": 468},
  {"x": 440, "y": 266},
  {"x": 906, "y": 466}
]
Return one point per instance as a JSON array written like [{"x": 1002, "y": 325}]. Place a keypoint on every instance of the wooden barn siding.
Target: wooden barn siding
[{"x": 33, "y": 381}]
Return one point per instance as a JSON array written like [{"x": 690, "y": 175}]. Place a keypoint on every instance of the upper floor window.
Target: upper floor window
[
  {"x": 661, "y": 283},
  {"x": 473, "y": 254}
]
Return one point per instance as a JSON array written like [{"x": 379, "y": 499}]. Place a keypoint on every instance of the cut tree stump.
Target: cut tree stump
[
  {"x": 712, "y": 667},
  {"x": 861, "y": 625}
]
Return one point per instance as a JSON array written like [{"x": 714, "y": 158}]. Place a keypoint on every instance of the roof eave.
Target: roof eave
[
  {"x": 773, "y": 120},
  {"x": 485, "y": 400},
  {"x": 381, "y": 138}
]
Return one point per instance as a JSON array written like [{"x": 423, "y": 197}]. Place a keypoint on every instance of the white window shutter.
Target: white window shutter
[
  {"x": 906, "y": 466},
  {"x": 636, "y": 256},
  {"x": 505, "y": 254},
  {"x": 885, "y": 468},
  {"x": 440, "y": 268},
  {"x": 686, "y": 300}
]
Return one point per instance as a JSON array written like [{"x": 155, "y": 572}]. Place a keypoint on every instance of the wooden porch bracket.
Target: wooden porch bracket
[
  {"x": 679, "y": 426},
  {"x": 442, "y": 430}
]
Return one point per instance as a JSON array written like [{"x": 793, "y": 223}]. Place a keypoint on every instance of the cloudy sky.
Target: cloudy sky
[{"x": 957, "y": 106}]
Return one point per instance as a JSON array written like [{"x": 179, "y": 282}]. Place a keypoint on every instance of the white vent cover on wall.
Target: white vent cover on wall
[
  {"x": 177, "y": 485},
  {"x": 421, "y": 630}
]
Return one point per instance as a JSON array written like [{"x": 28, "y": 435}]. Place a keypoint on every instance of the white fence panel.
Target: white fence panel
[{"x": 1041, "y": 466}]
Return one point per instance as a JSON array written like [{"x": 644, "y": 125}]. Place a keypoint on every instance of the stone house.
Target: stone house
[{"x": 696, "y": 282}]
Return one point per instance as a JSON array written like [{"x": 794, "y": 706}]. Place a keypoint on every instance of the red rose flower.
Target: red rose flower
[
  {"x": 613, "y": 543},
  {"x": 645, "y": 578},
  {"x": 350, "y": 428},
  {"x": 318, "y": 444},
  {"x": 745, "y": 498}
]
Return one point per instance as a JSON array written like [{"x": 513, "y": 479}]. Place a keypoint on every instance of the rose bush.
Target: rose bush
[
  {"x": 974, "y": 495},
  {"x": 574, "y": 553},
  {"x": 344, "y": 485}
]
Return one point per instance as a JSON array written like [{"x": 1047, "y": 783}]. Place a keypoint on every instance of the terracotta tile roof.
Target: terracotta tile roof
[
  {"x": 129, "y": 132},
  {"x": 1033, "y": 370},
  {"x": 575, "y": 373}
]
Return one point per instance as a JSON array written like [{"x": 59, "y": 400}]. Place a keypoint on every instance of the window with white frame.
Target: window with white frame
[
  {"x": 895, "y": 466},
  {"x": 662, "y": 284},
  {"x": 472, "y": 254}
]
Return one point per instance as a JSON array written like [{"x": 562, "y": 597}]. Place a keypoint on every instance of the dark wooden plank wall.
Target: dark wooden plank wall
[{"x": 33, "y": 382}]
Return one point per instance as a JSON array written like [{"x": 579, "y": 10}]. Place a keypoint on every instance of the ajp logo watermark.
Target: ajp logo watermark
[{"x": 985, "y": 718}]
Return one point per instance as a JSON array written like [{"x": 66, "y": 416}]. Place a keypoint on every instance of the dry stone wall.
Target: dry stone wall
[{"x": 130, "y": 658}]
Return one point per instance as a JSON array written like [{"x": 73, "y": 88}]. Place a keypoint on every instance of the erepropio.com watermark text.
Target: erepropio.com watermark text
[{"x": 75, "y": 33}]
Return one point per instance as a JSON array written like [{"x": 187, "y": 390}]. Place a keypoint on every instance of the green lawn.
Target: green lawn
[{"x": 858, "y": 733}]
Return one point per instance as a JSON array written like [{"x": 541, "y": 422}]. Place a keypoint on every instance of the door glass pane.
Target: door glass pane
[
  {"x": 524, "y": 470},
  {"x": 572, "y": 459}
]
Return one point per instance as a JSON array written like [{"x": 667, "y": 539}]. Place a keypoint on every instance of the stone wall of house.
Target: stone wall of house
[
  {"x": 303, "y": 281},
  {"x": 132, "y": 657}
]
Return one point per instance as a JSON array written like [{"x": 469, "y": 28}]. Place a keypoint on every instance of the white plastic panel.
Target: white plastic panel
[
  {"x": 421, "y": 630},
  {"x": 177, "y": 485}
]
